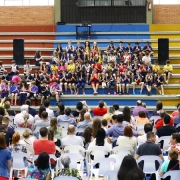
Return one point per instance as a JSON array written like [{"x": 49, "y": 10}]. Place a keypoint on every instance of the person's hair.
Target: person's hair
[
  {"x": 173, "y": 154},
  {"x": 26, "y": 133},
  {"x": 116, "y": 107},
  {"x": 128, "y": 131},
  {"x": 50, "y": 135},
  {"x": 42, "y": 161},
  {"x": 168, "y": 61},
  {"x": 3, "y": 127},
  {"x": 53, "y": 124},
  {"x": 24, "y": 107},
  {"x": 159, "y": 105},
  {"x": 148, "y": 127},
  {"x": 1, "y": 118},
  {"x": 41, "y": 109},
  {"x": 28, "y": 102},
  {"x": 7, "y": 105},
  {"x": 44, "y": 115},
  {"x": 129, "y": 169},
  {"x": 150, "y": 135},
  {"x": 104, "y": 122},
  {"x": 2, "y": 111},
  {"x": 95, "y": 126},
  {"x": 111, "y": 110},
  {"x": 68, "y": 111},
  {"x": 25, "y": 117},
  {"x": 162, "y": 113},
  {"x": 139, "y": 103},
  {"x": 46, "y": 103},
  {"x": 114, "y": 117},
  {"x": 71, "y": 129},
  {"x": 120, "y": 118},
  {"x": 144, "y": 105},
  {"x": 2, "y": 141},
  {"x": 87, "y": 134},
  {"x": 79, "y": 106},
  {"x": 127, "y": 114},
  {"x": 15, "y": 138},
  {"x": 176, "y": 136},
  {"x": 167, "y": 119},
  {"x": 142, "y": 114},
  {"x": 101, "y": 104},
  {"x": 43, "y": 132},
  {"x": 83, "y": 111},
  {"x": 5, "y": 119},
  {"x": 61, "y": 109},
  {"x": 65, "y": 161},
  {"x": 100, "y": 136}
]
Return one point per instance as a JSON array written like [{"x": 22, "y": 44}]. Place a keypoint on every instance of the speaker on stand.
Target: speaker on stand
[
  {"x": 18, "y": 51},
  {"x": 163, "y": 50}
]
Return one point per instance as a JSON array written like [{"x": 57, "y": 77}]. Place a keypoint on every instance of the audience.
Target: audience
[
  {"x": 54, "y": 126},
  {"x": 128, "y": 139},
  {"x": 128, "y": 119},
  {"x": 101, "y": 109},
  {"x": 87, "y": 135},
  {"x": 61, "y": 109},
  {"x": 67, "y": 117},
  {"x": 104, "y": 124},
  {"x": 38, "y": 116},
  {"x": 71, "y": 139},
  {"x": 88, "y": 121},
  {"x": 175, "y": 142},
  {"x": 177, "y": 118},
  {"x": 95, "y": 126},
  {"x": 27, "y": 138},
  {"x": 116, "y": 108},
  {"x": 6, "y": 133},
  {"x": 5, "y": 159},
  {"x": 159, "y": 106},
  {"x": 166, "y": 129},
  {"x": 24, "y": 122},
  {"x": 142, "y": 119},
  {"x": 31, "y": 111},
  {"x": 6, "y": 120},
  {"x": 138, "y": 108},
  {"x": 49, "y": 111},
  {"x": 129, "y": 170}
]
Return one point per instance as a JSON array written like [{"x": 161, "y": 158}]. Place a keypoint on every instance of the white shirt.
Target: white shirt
[
  {"x": 142, "y": 139},
  {"x": 117, "y": 112},
  {"x": 126, "y": 141},
  {"x": 50, "y": 113},
  {"x": 42, "y": 123},
  {"x": 71, "y": 140},
  {"x": 146, "y": 59},
  {"x": 18, "y": 118}
]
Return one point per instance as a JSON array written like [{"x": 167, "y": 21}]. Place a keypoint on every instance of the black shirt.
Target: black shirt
[
  {"x": 166, "y": 131},
  {"x": 8, "y": 137}
]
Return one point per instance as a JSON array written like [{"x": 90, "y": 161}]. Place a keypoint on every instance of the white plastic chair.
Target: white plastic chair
[
  {"x": 119, "y": 158},
  {"x": 141, "y": 130},
  {"x": 65, "y": 178},
  {"x": 139, "y": 126},
  {"x": 30, "y": 152},
  {"x": 51, "y": 156},
  {"x": 74, "y": 157},
  {"x": 74, "y": 149},
  {"x": 99, "y": 152},
  {"x": 18, "y": 163},
  {"x": 64, "y": 124},
  {"x": 97, "y": 117},
  {"x": 80, "y": 130},
  {"x": 166, "y": 140},
  {"x": 111, "y": 175},
  {"x": 104, "y": 165},
  {"x": 149, "y": 164},
  {"x": 175, "y": 174},
  {"x": 123, "y": 150}
]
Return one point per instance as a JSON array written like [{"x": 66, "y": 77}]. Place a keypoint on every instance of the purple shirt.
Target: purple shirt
[
  {"x": 4, "y": 88},
  {"x": 34, "y": 89},
  {"x": 56, "y": 87},
  {"x": 139, "y": 108}
]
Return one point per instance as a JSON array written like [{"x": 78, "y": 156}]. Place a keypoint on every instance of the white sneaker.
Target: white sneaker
[
  {"x": 166, "y": 82},
  {"x": 162, "y": 94}
]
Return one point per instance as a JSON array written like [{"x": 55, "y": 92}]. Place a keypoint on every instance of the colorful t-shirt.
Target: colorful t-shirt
[{"x": 40, "y": 174}]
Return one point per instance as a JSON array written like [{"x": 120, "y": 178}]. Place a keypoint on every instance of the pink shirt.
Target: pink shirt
[{"x": 15, "y": 79}]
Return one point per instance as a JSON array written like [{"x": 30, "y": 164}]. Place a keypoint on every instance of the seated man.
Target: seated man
[
  {"x": 71, "y": 139},
  {"x": 166, "y": 129},
  {"x": 138, "y": 108},
  {"x": 87, "y": 121}
]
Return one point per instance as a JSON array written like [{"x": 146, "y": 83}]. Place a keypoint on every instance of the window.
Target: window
[{"x": 166, "y": 1}]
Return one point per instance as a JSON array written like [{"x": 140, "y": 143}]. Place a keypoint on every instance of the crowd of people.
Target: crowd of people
[
  {"x": 73, "y": 68},
  {"x": 107, "y": 127}
]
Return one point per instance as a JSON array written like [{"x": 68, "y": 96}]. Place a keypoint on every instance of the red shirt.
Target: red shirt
[
  {"x": 175, "y": 113},
  {"x": 99, "y": 111},
  {"x": 97, "y": 66},
  {"x": 44, "y": 146},
  {"x": 159, "y": 123}
]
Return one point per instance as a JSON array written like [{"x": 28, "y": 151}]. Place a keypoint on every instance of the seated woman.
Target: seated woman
[
  {"x": 170, "y": 164},
  {"x": 159, "y": 106},
  {"x": 38, "y": 116},
  {"x": 95, "y": 81},
  {"x": 175, "y": 141},
  {"x": 142, "y": 119},
  {"x": 24, "y": 122},
  {"x": 67, "y": 171},
  {"x": 128, "y": 139},
  {"x": 27, "y": 138},
  {"x": 130, "y": 170},
  {"x": 87, "y": 136},
  {"x": 54, "y": 127},
  {"x": 41, "y": 169}
]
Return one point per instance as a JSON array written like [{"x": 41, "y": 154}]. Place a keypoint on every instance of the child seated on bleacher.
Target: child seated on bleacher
[
  {"x": 14, "y": 68},
  {"x": 27, "y": 67},
  {"x": 44, "y": 91},
  {"x": 4, "y": 91},
  {"x": 70, "y": 49},
  {"x": 14, "y": 91},
  {"x": 2, "y": 68},
  {"x": 155, "y": 68},
  {"x": 158, "y": 83},
  {"x": 125, "y": 82},
  {"x": 167, "y": 71},
  {"x": 149, "y": 82},
  {"x": 111, "y": 81},
  {"x": 110, "y": 48},
  {"x": 120, "y": 49}
]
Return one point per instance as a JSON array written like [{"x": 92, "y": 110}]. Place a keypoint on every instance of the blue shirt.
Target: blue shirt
[
  {"x": 176, "y": 120},
  {"x": 34, "y": 89},
  {"x": 118, "y": 130},
  {"x": 84, "y": 124},
  {"x": 65, "y": 118},
  {"x": 5, "y": 155}
]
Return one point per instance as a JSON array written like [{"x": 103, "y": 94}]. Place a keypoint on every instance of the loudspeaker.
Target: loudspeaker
[
  {"x": 163, "y": 50},
  {"x": 18, "y": 51}
]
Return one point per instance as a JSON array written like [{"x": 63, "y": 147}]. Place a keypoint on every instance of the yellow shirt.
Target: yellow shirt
[
  {"x": 155, "y": 68},
  {"x": 109, "y": 67},
  {"x": 54, "y": 68},
  {"x": 168, "y": 68},
  {"x": 71, "y": 67},
  {"x": 100, "y": 60}
]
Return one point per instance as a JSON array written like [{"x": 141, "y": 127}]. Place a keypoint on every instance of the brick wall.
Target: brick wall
[
  {"x": 26, "y": 15},
  {"x": 166, "y": 14}
]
